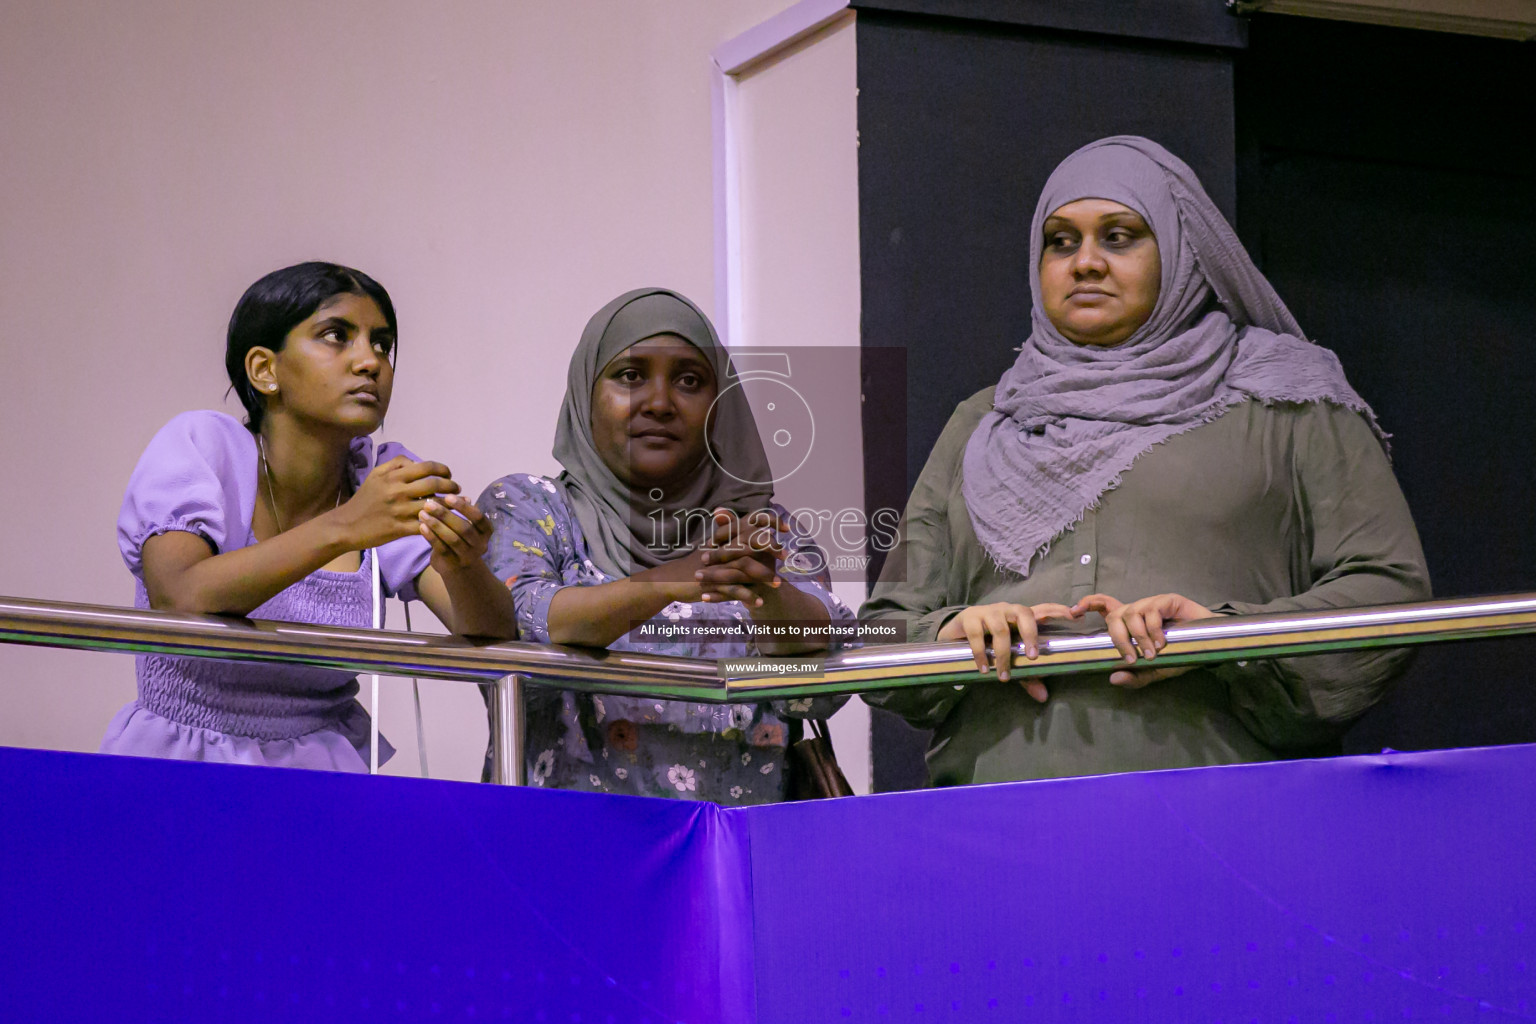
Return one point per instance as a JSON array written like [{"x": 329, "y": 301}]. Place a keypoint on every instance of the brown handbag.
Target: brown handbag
[{"x": 813, "y": 767}]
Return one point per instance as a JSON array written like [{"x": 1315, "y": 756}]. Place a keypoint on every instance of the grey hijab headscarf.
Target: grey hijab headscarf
[
  {"x": 1068, "y": 420},
  {"x": 621, "y": 526}
]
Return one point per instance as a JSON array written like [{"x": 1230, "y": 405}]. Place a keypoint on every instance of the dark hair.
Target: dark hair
[{"x": 277, "y": 304}]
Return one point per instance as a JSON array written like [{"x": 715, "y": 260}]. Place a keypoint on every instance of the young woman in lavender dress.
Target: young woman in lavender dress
[
  {"x": 280, "y": 517},
  {"x": 613, "y": 551}
]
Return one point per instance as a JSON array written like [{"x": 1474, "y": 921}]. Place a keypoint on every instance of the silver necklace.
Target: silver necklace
[{"x": 266, "y": 471}]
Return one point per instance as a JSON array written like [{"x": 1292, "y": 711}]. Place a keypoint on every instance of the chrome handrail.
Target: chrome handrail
[
  {"x": 1208, "y": 641},
  {"x": 874, "y": 667},
  {"x": 140, "y": 631}
]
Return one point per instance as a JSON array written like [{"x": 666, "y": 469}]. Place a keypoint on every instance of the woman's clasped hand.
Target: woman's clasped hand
[
  {"x": 391, "y": 501},
  {"x": 401, "y": 498},
  {"x": 741, "y": 560},
  {"x": 457, "y": 531}
]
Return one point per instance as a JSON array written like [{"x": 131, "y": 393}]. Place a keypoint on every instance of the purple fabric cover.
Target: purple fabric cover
[
  {"x": 200, "y": 475},
  {"x": 1388, "y": 888}
]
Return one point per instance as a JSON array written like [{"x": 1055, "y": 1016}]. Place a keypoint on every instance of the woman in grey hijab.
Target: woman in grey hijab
[
  {"x": 1166, "y": 437},
  {"x": 659, "y": 536}
]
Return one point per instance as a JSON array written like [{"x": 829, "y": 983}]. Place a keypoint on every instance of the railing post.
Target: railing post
[{"x": 507, "y": 765}]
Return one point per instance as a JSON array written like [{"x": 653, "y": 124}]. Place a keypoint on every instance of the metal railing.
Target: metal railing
[{"x": 508, "y": 666}]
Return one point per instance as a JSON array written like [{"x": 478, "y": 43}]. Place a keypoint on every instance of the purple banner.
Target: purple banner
[{"x": 1357, "y": 889}]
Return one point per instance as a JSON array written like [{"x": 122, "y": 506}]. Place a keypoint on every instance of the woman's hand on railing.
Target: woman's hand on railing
[
  {"x": 1001, "y": 621},
  {"x": 1137, "y": 631}
]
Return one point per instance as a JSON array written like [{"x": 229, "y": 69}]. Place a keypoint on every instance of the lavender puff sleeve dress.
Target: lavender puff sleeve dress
[{"x": 200, "y": 475}]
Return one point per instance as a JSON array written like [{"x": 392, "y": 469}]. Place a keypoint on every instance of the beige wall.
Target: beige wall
[
  {"x": 798, "y": 131},
  {"x": 503, "y": 168}
]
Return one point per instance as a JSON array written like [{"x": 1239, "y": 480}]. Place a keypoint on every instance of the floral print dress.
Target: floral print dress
[{"x": 726, "y": 753}]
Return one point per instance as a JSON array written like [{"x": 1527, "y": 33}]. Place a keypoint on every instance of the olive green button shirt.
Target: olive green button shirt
[{"x": 1278, "y": 508}]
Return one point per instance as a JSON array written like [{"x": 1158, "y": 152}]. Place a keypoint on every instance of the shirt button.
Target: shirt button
[{"x": 1086, "y": 559}]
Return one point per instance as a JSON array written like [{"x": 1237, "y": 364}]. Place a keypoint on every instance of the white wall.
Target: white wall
[
  {"x": 503, "y": 168},
  {"x": 798, "y": 130}
]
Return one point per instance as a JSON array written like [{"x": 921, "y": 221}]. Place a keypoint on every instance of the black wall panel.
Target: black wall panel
[{"x": 1389, "y": 195}]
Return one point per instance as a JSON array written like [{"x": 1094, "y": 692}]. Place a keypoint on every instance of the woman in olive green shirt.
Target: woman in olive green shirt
[{"x": 1167, "y": 438}]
